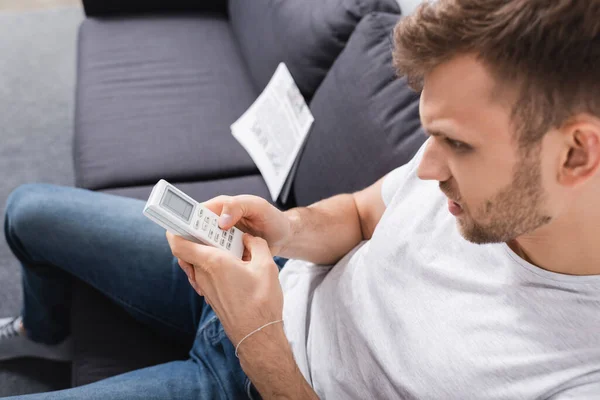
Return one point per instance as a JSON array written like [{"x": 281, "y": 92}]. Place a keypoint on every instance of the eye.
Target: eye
[{"x": 458, "y": 146}]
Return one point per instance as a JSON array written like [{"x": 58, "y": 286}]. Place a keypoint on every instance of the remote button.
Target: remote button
[
  {"x": 223, "y": 242},
  {"x": 200, "y": 212},
  {"x": 207, "y": 219},
  {"x": 229, "y": 246},
  {"x": 204, "y": 226},
  {"x": 196, "y": 224},
  {"x": 230, "y": 238},
  {"x": 210, "y": 234}
]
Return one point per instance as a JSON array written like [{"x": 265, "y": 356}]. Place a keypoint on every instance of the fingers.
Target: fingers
[
  {"x": 258, "y": 249},
  {"x": 188, "y": 269},
  {"x": 182, "y": 248},
  {"x": 191, "y": 275},
  {"x": 200, "y": 256},
  {"x": 185, "y": 266}
]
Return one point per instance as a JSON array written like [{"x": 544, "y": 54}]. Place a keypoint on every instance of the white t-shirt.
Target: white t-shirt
[{"x": 418, "y": 312}]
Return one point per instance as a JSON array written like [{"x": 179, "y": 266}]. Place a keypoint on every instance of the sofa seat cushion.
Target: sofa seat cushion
[
  {"x": 307, "y": 35},
  {"x": 155, "y": 99},
  {"x": 366, "y": 119},
  {"x": 202, "y": 191}
]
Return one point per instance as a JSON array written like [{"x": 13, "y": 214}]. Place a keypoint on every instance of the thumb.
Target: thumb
[
  {"x": 231, "y": 213},
  {"x": 216, "y": 203},
  {"x": 258, "y": 248}
]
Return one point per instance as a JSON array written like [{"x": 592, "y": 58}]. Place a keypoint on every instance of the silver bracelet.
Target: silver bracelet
[{"x": 252, "y": 333}]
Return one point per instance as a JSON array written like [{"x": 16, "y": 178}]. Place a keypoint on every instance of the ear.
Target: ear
[{"x": 581, "y": 158}]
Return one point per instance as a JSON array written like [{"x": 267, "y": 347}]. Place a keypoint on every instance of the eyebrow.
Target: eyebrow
[{"x": 438, "y": 133}]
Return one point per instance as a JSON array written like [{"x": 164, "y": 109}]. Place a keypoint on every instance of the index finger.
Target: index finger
[{"x": 199, "y": 254}]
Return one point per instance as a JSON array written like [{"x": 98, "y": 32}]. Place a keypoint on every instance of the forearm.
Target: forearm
[
  {"x": 268, "y": 361},
  {"x": 325, "y": 231}
]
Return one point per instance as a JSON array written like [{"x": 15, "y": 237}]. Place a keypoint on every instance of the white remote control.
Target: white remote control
[{"x": 181, "y": 215}]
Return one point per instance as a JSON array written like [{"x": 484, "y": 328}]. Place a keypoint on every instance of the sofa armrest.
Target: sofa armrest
[{"x": 100, "y": 8}]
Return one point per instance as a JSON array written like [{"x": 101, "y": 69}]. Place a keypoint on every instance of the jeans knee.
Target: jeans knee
[{"x": 24, "y": 207}]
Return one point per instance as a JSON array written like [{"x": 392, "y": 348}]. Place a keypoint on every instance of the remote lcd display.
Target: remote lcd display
[{"x": 179, "y": 206}]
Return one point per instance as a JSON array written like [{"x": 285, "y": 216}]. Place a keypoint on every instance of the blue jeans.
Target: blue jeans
[{"x": 59, "y": 233}]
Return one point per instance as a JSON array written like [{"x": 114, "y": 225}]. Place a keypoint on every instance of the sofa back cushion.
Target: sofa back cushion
[
  {"x": 366, "y": 119},
  {"x": 307, "y": 35}
]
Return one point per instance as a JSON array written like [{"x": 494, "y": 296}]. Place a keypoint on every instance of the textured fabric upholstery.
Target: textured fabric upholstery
[
  {"x": 95, "y": 8},
  {"x": 155, "y": 99},
  {"x": 307, "y": 35},
  {"x": 202, "y": 191},
  {"x": 366, "y": 120}
]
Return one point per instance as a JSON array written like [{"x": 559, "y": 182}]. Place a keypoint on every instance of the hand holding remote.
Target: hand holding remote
[{"x": 254, "y": 215}]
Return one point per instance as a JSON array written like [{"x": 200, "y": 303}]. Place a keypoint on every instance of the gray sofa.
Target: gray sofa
[{"x": 158, "y": 85}]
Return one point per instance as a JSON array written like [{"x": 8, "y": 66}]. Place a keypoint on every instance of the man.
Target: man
[{"x": 487, "y": 289}]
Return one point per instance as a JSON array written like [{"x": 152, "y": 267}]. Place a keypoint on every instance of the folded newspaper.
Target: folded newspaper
[{"x": 273, "y": 131}]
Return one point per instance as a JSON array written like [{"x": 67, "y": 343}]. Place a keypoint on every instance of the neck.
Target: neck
[{"x": 569, "y": 245}]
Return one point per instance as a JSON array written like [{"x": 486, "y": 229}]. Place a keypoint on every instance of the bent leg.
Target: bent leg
[
  {"x": 212, "y": 372},
  {"x": 104, "y": 240},
  {"x": 175, "y": 380}
]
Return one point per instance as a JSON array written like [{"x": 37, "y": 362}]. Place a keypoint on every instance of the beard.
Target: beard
[{"x": 513, "y": 211}]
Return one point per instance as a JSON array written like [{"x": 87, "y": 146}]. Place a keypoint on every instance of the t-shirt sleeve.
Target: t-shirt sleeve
[{"x": 395, "y": 179}]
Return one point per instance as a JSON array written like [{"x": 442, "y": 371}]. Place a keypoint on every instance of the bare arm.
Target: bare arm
[
  {"x": 322, "y": 233},
  {"x": 326, "y": 231},
  {"x": 269, "y": 363}
]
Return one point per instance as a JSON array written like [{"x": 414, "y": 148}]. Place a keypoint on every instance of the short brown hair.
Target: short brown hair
[{"x": 549, "y": 50}]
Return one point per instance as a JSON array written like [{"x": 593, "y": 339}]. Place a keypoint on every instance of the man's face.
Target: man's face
[{"x": 495, "y": 190}]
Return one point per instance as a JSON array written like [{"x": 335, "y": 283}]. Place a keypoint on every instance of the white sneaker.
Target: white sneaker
[{"x": 15, "y": 344}]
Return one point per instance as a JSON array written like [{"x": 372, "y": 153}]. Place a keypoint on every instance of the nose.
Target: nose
[{"x": 433, "y": 165}]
